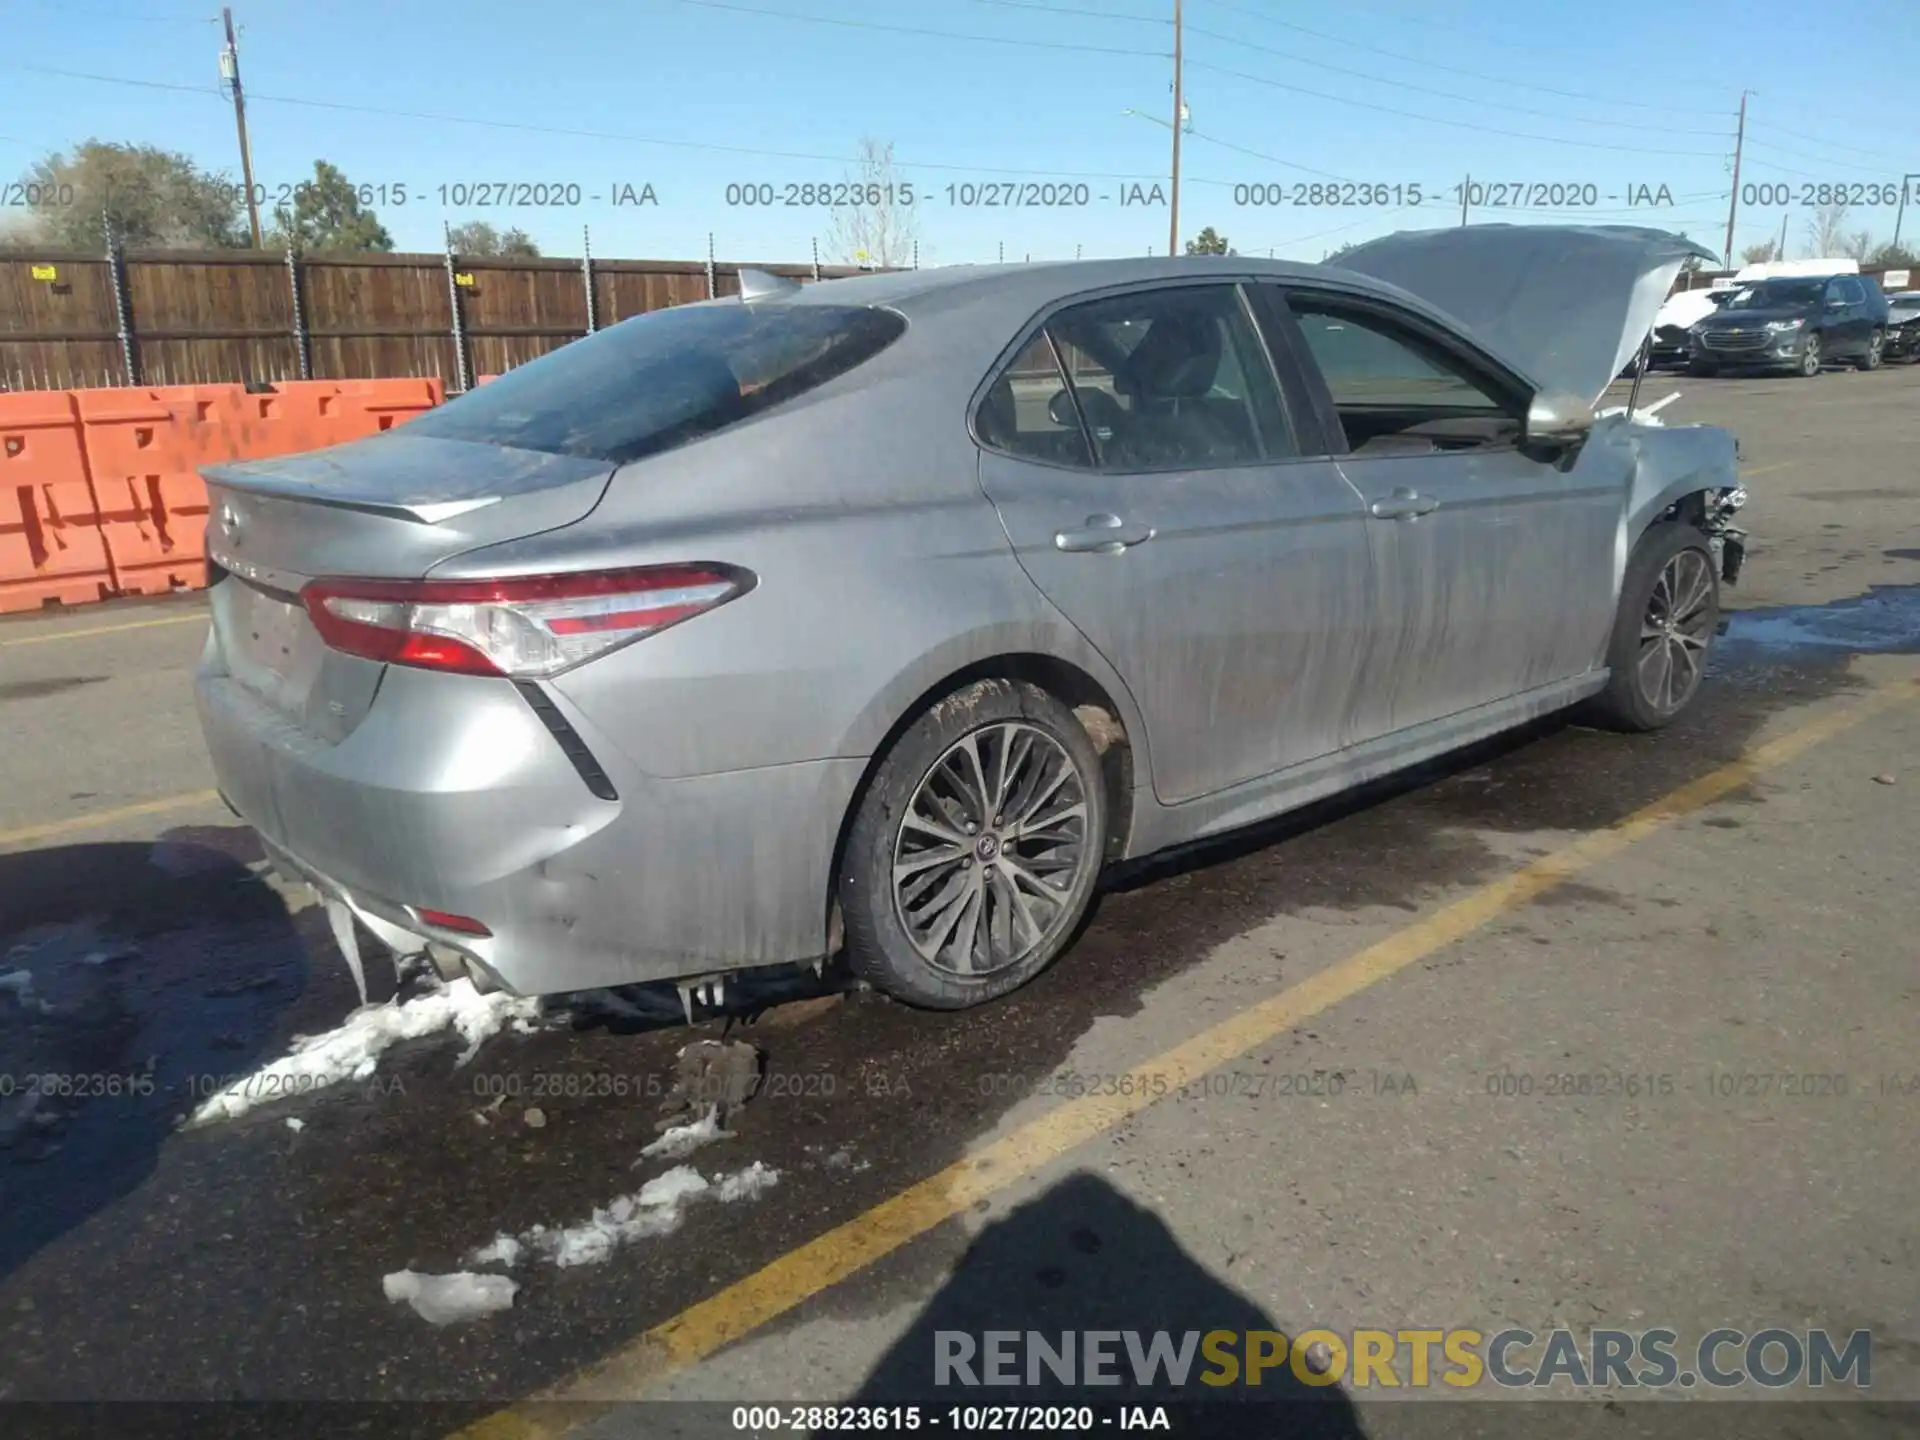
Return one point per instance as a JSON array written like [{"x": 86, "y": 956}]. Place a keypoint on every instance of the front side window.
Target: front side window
[
  {"x": 1172, "y": 379},
  {"x": 1777, "y": 295},
  {"x": 664, "y": 378},
  {"x": 1394, "y": 390}
]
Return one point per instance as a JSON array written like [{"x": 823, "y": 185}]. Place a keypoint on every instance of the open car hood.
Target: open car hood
[{"x": 1566, "y": 304}]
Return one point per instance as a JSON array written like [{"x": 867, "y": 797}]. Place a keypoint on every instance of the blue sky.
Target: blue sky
[{"x": 1610, "y": 101}]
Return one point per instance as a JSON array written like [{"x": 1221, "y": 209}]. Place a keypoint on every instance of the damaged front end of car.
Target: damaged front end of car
[{"x": 1712, "y": 513}]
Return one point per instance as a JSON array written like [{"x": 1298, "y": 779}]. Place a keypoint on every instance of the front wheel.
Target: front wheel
[
  {"x": 975, "y": 851},
  {"x": 1876, "y": 351},
  {"x": 1810, "y": 357},
  {"x": 1663, "y": 631}
]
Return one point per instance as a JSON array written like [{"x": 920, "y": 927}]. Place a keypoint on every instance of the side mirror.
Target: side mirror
[
  {"x": 1060, "y": 411},
  {"x": 1558, "y": 420}
]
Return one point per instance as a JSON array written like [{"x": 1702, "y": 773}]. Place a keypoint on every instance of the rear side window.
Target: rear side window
[
  {"x": 1028, "y": 412},
  {"x": 662, "y": 379}
]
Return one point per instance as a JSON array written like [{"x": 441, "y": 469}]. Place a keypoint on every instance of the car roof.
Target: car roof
[
  {"x": 1060, "y": 278},
  {"x": 990, "y": 304}
]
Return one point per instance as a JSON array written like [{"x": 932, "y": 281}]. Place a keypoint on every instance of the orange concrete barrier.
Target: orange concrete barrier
[
  {"x": 104, "y": 495},
  {"x": 51, "y": 548}
]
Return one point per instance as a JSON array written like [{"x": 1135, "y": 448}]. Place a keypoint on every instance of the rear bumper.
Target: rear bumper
[{"x": 451, "y": 794}]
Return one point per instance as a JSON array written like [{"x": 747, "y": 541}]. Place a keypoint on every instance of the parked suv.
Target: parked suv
[{"x": 1793, "y": 323}]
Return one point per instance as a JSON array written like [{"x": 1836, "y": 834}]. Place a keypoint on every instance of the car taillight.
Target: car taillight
[{"x": 522, "y": 628}]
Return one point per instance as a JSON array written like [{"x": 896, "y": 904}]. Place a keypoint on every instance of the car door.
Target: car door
[
  {"x": 1863, "y": 317},
  {"x": 1842, "y": 335},
  {"x": 1146, "y": 472},
  {"x": 1496, "y": 570}
]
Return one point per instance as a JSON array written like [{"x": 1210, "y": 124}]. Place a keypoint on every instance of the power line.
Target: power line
[
  {"x": 259, "y": 98},
  {"x": 1070, "y": 10},
  {"x": 1437, "y": 120},
  {"x": 1836, "y": 145},
  {"x": 1270, "y": 159},
  {"x": 1780, "y": 169},
  {"x": 916, "y": 30},
  {"x": 1447, "y": 94},
  {"x": 1820, "y": 159},
  {"x": 1455, "y": 70}
]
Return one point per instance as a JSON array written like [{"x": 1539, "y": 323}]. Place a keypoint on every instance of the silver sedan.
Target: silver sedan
[{"x": 875, "y": 617}]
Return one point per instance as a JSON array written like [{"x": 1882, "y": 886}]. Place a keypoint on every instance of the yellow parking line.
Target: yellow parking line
[
  {"x": 1751, "y": 470},
  {"x": 201, "y": 618},
  {"x": 802, "y": 1273},
  {"x": 33, "y": 834}
]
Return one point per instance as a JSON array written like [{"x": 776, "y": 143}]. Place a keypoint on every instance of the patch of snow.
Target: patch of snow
[
  {"x": 683, "y": 1140},
  {"x": 656, "y": 1208},
  {"x": 20, "y": 982},
  {"x": 446, "y": 1299},
  {"x": 295, "y": 1124},
  {"x": 504, "y": 1250},
  {"x": 673, "y": 1187},
  {"x": 747, "y": 1184},
  {"x": 352, "y": 1051}
]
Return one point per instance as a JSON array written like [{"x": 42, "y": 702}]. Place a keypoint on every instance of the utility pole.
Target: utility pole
[
  {"x": 1173, "y": 214},
  {"x": 230, "y": 72},
  {"x": 1733, "y": 201},
  {"x": 1901, "y": 214},
  {"x": 1781, "y": 253},
  {"x": 1466, "y": 189}
]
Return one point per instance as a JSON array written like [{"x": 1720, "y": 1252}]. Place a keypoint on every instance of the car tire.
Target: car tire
[
  {"x": 944, "y": 925},
  {"x": 1671, "y": 562},
  {"x": 1705, "y": 368},
  {"x": 1876, "y": 351},
  {"x": 1810, "y": 358}
]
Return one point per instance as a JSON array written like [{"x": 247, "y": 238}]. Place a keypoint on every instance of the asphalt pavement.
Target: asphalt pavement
[{"x": 1573, "y": 1030}]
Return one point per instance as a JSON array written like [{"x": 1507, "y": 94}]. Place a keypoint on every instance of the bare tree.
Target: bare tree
[
  {"x": 1827, "y": 231},
  {"x": 880, "y": 228},
  {"x": 1896, "y": 256},
  {"x": 1859, "y": 245},
  {"x": 1762, "y": 253}
]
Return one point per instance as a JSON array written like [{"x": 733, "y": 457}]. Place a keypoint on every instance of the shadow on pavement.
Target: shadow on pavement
[
  {"x": 132, "y": 976},
  {"x": 1083, "y": 1257}
]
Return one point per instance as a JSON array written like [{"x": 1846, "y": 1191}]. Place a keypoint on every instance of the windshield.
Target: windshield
[
  {"x": 664, "y": 378},
  {"x": 1904, "y": 302},
  {"x": 1778, "y": 294}
]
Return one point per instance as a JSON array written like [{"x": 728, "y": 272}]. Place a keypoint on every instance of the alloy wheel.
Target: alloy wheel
[
  {"x": 1675, "y": 631},
  {"x": 991, "y": 850},
  {"x": 1810, "y": 357}
]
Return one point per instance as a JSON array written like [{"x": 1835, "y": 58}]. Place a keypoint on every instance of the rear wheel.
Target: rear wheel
[
  {"x": 975, "y": 851},
  {"x": 1876, "y": 350},
  {"x": 1663, "y": 631},
  {"x": 1811, "y": 358}
]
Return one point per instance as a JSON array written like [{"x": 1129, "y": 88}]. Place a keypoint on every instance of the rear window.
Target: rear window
[{"x": 665, "y": 378}]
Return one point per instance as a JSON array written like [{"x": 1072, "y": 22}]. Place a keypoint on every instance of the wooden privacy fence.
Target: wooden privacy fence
[{"x": 70, "y": 320}]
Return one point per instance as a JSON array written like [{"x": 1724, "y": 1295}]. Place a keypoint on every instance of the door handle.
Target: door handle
[
  {"x": 1403, "y": 504},
  {"x": 1104, "y": 535}
]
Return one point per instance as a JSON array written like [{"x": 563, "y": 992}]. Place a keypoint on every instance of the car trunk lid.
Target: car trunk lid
[{"x": 391, "y": 507}]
